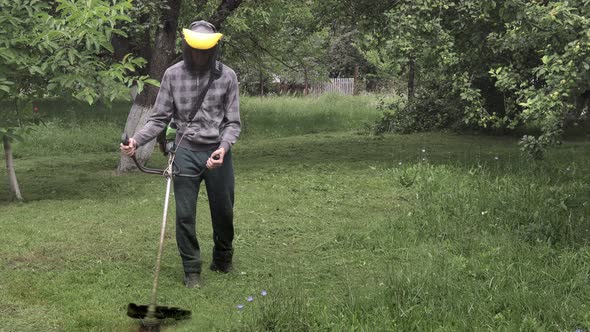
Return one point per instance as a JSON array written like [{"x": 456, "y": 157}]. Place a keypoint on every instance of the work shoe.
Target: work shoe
[
  {"x": 192, "y": 280},
  {"x": 221, "y": 267}
]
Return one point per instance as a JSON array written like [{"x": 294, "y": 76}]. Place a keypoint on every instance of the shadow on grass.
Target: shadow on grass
[
  {"x": 89, "y": 176},
  {"x": 498, "y": 156}
]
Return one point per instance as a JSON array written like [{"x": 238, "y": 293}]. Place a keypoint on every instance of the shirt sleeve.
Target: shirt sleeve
[
  {"x": 231, "y": 123},
  {"x": 163, "y": 111}
]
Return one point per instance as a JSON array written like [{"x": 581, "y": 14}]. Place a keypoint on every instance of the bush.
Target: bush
[{"x": 423, "y": 113}]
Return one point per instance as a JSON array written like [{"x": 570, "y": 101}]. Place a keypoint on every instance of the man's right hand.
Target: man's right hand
[{"x": 129, "y": 150}]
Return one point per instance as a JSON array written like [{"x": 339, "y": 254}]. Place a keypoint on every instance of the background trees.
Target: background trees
[{"x": 501, "y": 65}]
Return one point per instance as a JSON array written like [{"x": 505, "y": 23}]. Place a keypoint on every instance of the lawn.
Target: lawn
[{"x": 341, "y": 229}]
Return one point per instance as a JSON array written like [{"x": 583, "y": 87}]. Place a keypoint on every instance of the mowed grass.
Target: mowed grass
[{"x": 344, "y": 231}]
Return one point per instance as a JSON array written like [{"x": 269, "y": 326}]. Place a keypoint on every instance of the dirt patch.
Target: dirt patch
[{"x": 34, "y": 260}]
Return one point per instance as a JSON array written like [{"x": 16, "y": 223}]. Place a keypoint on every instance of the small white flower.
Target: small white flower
[
  {"x": 423, "y": 150},
  {"x": 483, "y": 213},
  {"x": 496, "y": 158},
  {"x": 400, "y": 163}
]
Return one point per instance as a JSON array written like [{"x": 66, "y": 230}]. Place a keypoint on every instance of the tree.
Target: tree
[
  {"x": 277, "y": 39},
  {"x": 57, "y": 47},
  {"x": 543, "y": 88},
  {"x": 503, "y": 65},
  {"x": 160, "y": 54}
]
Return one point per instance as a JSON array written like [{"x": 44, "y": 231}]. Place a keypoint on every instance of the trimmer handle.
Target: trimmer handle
[{"x": 125, "y": 141}]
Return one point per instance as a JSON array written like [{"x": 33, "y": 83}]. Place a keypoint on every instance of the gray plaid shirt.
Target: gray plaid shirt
[{"x": 217, "y": 123}]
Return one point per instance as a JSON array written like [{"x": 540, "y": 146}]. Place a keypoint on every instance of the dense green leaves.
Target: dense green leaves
[
  {"x": 277, "y": 40},
  {"x": 547, "y": 85},
  {"x": 61, "y": 47},
  {"x": 504, "y": 64},
  {"x": 58, "y": 47}
]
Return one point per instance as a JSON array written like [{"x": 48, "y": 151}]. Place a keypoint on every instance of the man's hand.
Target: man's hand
[
  {"x": 216, "y": 158},
  {"x": 129, "y": 150}
]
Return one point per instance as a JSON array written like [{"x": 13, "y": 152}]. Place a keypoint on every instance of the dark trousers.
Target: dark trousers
[{"x": 220, "y": 191}]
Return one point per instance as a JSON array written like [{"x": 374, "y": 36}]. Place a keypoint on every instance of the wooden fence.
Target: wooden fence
[{"x": 335, "y": 85}]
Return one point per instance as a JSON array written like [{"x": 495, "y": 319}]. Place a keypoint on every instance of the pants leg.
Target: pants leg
[
  {"x": 220, "y": 189},
  {"x": 186, "y": 191}
]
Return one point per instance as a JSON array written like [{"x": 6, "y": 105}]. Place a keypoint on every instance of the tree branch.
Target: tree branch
[
  {"x": 223, "y": 11},
  {"x": 257, "y": 44}
]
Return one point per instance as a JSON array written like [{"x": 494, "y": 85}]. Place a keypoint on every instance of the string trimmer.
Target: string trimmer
[{"x": 152, "y": 314}]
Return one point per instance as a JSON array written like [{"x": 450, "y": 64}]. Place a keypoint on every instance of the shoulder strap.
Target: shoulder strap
[{"x": 213, "y": 74}]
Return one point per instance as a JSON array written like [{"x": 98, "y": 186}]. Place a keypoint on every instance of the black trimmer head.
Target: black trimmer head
[
  {"x": 160, "y": 314},
  {"x": 141, "y": 311}
]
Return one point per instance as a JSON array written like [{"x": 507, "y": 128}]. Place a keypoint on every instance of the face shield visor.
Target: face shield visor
[{"x": 201, "y": 44}]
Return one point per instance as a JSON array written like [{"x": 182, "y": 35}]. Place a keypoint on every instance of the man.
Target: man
[{"x": 204, "y": 142}]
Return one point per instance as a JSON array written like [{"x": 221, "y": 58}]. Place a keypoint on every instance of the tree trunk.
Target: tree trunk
[
  {"x": 143, "y": 104},
  {"x": 133, "y": 42},
  {"x": 355, "y": 87},
  {"x": 305, "y": 91},
  {"x": 261, "y": 84},
  {"x": 12, "y": 181},
  {"x": 411, "y": 78}
]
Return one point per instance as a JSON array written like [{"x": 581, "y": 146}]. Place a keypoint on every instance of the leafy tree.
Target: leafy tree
[
  {"x": 543, "y": 88},
  {"x": 502, "y": 65},
  {"x": 273, "y": 39},
  {"x": 53, "y": 48}
]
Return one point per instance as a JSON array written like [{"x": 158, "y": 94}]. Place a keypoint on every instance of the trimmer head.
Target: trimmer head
[
  {"x": 151, "y": 323},
  {"x": 141, "y": 311}
]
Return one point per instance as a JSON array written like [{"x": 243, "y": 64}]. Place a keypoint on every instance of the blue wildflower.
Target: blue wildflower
[
  {"x": 263, "y": 293},
  {"x": 250, "y": 298}
]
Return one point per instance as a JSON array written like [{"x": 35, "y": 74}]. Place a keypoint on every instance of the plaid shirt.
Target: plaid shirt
[{"x": 217, "y": 123}]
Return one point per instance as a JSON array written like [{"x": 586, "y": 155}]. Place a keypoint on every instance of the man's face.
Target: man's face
[{"x": 201, "y": 57}]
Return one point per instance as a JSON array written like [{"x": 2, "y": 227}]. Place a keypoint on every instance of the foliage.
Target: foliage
[
  {"x": 417, "y": 115},
  {"x": 556, "y": 36},
  {"x": 345, "y": 57},
  {"x": 502, "y": 64},
  {"x": 277, "y": 41},
  {"x": 59, "y": 48}
]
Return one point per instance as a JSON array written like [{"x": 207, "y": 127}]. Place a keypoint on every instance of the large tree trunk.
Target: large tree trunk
[
  {"x": 143, "y": 104},
  {"x": 12, "y": 181}
]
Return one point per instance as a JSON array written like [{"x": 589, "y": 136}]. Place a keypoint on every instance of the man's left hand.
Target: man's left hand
[{"x": 216, "y": 158}]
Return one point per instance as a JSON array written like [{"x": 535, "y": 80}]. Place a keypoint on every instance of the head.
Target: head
[{"x": 201, "y": 44}]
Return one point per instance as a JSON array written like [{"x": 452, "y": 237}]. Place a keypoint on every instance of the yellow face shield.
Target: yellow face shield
[{"x": 200, "y": 40}]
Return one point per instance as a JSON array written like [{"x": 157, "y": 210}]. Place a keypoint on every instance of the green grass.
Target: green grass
[{"x": 344, "y": 231}]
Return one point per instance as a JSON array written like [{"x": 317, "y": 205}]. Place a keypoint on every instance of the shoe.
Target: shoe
[
  {"x": 221, "y": 267},
  {"x": 192, "y": 280}
]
